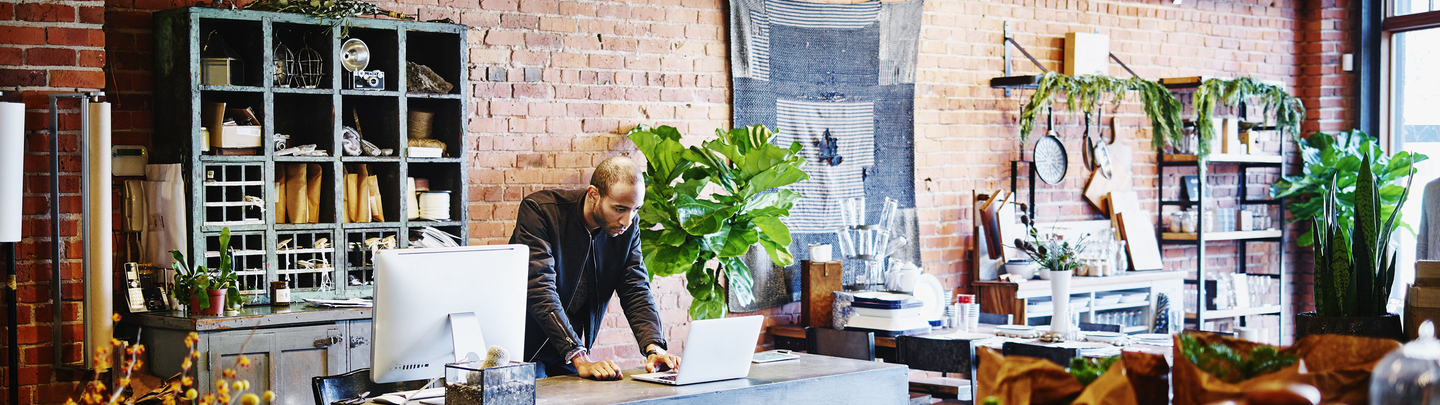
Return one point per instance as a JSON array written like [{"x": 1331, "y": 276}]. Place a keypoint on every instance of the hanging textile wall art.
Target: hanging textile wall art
[{"x": 839, "y": 79}]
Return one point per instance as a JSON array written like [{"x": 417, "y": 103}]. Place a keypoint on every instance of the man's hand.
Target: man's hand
[
  {"x": 600, "y": 370},
  {"x": 658, "y": 360}
]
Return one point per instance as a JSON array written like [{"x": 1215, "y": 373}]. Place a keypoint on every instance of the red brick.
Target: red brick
[
  {"x": 7, "y": 11},
  {"x": 19, "y": 77},
  {"x": 11, "y": 56},
  {"x": 50, "y": 57},
  {"x": 74, "y": 36},
  {"x": 22, "y": 35},
  {"x": 47, "y": 12},
  {"x": 92, "y": 15}
]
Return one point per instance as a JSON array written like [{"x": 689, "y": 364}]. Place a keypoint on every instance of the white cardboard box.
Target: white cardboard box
[
  {"x": 1087, "y": 54},
  {"x": 238, "y": 136}
]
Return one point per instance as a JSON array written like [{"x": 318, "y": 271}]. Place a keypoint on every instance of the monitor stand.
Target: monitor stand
[{"x": 465, "y": 335}]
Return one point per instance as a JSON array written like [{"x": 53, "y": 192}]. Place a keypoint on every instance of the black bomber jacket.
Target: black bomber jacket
[{"x": 551, "y": 222}]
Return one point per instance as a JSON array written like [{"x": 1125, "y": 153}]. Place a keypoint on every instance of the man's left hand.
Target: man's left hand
[{"x": 659, "y": 360}]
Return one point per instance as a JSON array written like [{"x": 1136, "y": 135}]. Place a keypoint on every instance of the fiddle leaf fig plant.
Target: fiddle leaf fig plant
[
  {"x": 1338, "y": 157},
  {"x": 194, "y": 282},
  {"x": 682, "y": 230}
]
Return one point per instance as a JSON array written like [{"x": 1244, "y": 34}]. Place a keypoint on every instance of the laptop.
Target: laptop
[{"x": 716, "y": 349}]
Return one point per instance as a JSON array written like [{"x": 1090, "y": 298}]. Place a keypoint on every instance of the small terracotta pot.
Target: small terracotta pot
[{"x": 217, "y": 303}]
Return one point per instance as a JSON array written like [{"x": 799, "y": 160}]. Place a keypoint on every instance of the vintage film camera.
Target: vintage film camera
[{"x": 355, "y": 56}]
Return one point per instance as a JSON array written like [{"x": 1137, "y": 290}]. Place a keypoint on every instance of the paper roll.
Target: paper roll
[
  {"x": 99, "y": 252},
  {"x": 12, "y": 163}
]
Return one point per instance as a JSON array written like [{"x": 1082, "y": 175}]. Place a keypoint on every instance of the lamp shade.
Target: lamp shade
[{"x": 12, "y": 163}]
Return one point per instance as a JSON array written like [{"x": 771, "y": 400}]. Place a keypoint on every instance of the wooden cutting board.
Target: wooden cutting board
[
  {"x": 1139, "y": 234},
  {"x": 1121, "y": 178}
]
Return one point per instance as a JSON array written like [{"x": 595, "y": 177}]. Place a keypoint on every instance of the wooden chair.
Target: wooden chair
[
  {"x": 940, "y": 355},
  {"x": 1099, "y": 327},
  {"x": 329, "y": 389},
  {"x": 841, "y": 343}
]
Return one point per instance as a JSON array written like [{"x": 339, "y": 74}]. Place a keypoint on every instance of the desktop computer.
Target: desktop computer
[{"x": 441, "y": 305}]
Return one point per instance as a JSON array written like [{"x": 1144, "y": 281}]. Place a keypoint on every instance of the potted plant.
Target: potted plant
[
  {"x": 1058, "y": 259},
  {"x": 1355, "y": 266},
  {"x": 206, "y": 292},
  {"x": 683, "y": 231},
  {"x": 1338, "y": 156}
]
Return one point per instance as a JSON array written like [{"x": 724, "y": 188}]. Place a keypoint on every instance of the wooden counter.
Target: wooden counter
[{"x": 808, "y": 380}]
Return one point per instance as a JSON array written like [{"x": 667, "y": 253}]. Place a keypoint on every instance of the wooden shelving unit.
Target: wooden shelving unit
[{"x": 217, "y": 185}]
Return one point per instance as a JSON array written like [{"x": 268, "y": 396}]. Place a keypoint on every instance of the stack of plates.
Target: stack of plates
[
  {"x": 1107, "y": 337},
  {"x": 1134, "y": 297},
  {"x": 1107, "y": 300},
  {"x": 1154, "y": 339},
  {"x": 1017, "y": 331}
]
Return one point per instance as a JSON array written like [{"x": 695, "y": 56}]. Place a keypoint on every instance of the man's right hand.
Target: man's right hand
[{"x": 600, "y": 370}]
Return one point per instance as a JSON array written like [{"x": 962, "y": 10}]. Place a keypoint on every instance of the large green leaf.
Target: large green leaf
[
  {"x": 779, "y": 253},
  {"x": 737, "y": 274},
  {"x": 773, "y": 229},
  {"x": 778, "y": 176},
  {"x": 712, "y": 307},
  {"x": 665, "y": 260},
  {"x": 739, "y": 242},
  {"x": 715, "y": 242},
  {"x": 699, "y": 217}
]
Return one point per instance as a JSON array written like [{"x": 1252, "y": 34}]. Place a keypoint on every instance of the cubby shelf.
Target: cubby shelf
[{"x": 238, "y": 187}]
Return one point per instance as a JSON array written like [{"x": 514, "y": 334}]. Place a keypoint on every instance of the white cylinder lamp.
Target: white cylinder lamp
[
  {"x": 99, "y": 257},
  {"x": 12, "y": 163}
]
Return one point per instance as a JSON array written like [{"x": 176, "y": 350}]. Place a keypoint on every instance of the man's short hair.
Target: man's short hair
[{"x": 615, "y": 170}]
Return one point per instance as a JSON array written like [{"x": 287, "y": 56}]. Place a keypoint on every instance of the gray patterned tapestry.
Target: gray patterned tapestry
[{"x": 839, "y": 79}]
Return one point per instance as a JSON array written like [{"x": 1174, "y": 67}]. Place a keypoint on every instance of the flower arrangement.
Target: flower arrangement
[
  {"x": 229, "y": 388},
  {"x": 1051, "y": 253}
]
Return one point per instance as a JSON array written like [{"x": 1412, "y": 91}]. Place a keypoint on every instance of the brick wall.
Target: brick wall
[{"x": 557, "y": 83}]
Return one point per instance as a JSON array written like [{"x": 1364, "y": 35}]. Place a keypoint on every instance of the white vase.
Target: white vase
[{"x": 1060, "y": 300}]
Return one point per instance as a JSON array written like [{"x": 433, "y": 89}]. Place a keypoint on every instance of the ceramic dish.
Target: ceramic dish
[
  {"x": 929, "y": 290},
  {"x": 1107, "y": 300},
  {"x": 1134, "y": 297},
  {"x": 1016, "y": 331},
  {"x": 1106, "y": 337}
]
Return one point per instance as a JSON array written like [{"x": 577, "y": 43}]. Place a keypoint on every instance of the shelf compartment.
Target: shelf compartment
[
  {"x": 444, "y": 123},
  {"x": 435, "y": 50},
  {"x": 306, "y": 260},
  {"x": 298, "y": 38},
  {"x": 1231, "y": 313},
  {"x": 452, "y": 228},
  {"x": 237, "y": 196},
  {"x": 300, "y": 185},
  {"x": 243, "y": 40},
  {"x": 442, "y": 177},
  {"x": 379, "y": 121},
  {"x": 232, "y": 101},
  {"x": 383, "y": 44},
  {"x": 307, "y": 119},
  {"x": 1224, "y": 158},
  {"x": 247, "y": 256},
  {"x": 359, "y": 253},
  {"x": 387, "y": 176},
  {"x": 1222, "y": 236}
]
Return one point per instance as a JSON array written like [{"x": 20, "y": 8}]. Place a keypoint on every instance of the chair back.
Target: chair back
[
  {"x": 941, "y": 355},
  {"x": 329, "y": 389},
  {"x": 1059, "y": 355},
  {"x": 1099, "y": 327},
  {"x": 841, "y": 343}
]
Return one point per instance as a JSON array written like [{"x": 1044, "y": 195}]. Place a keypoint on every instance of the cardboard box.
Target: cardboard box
[
  {"x": 1427, "y": 273},
  {"x": 238, "y": 136},
  {"x": 1421, "y": 303},
  {"x": 1087, "y": 54}
]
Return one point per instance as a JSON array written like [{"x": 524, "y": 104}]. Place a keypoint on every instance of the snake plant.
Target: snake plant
[{"x": 1355, "y": 267}]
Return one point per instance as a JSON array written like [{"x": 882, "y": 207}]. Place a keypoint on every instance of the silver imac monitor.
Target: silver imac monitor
[{"x": 439, "y": 305}]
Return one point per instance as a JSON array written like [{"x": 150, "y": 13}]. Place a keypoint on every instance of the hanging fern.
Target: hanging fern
[
  {"x": 338, "y": 10},
  {"x": 1287, "y": 109},
  {"x": 1086, "y": 92}
]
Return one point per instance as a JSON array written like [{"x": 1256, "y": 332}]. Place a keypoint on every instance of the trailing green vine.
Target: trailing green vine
[
  {"x": 340, "y": 10},
  {"x": 1084, "y": 93},
  {"x": 1288, "y": 110}
]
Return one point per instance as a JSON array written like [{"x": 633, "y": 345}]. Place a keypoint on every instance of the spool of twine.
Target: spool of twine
[{"x": 419, "y": 123}]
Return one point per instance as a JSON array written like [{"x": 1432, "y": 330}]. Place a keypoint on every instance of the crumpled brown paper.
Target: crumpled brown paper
[
  {"x": 1138, "y": 378},
  {"x": 1338, "y": 365}
]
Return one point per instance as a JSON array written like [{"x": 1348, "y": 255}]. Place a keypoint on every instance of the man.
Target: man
[{"x": 584, "y": 246}]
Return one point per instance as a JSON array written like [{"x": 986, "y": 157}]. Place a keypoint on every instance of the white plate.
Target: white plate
[
  {"x": 929, "y": 291},
  {"x": 1014, "y": 328},
  {"x": 1084, "y": 345},
  {"x": 1152, "y": 336}
]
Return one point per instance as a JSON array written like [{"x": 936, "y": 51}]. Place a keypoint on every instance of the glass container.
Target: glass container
[{"x": 1411, "y": 374}]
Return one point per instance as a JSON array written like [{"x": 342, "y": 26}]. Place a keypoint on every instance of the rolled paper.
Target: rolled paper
[
  {"x": 12, "y": 159},
  {"x": 99, "y": 252}
]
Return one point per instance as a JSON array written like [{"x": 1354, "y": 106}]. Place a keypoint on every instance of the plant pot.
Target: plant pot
[
  {"x": 217, "y": 303},
  {"x": 1385, "y": 326},
  {"x": 1059, "y": 300}
]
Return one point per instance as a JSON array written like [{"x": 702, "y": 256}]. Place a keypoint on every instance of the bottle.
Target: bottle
[{"x": 279, "y": 293}]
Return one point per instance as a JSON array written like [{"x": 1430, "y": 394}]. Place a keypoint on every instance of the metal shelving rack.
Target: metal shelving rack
[
  {"x": 1201, "y": 238},
  {"x": 309, "y": 116}
]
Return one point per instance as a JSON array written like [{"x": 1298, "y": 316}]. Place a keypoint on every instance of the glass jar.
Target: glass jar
[
  {"x": 1409, "y": 374},
  {"x": 279, "y": 293}
]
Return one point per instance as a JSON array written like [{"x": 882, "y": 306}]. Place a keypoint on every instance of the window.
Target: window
[{"x": 1412, "y": 31}]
